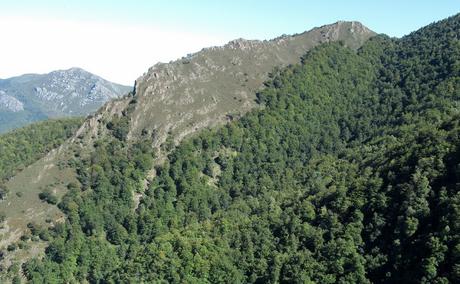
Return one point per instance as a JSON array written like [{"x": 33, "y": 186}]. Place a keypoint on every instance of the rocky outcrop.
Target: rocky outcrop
[{"x": 9, "y": 103}]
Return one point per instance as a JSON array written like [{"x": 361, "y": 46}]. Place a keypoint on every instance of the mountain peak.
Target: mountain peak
[
  {"x": 75, "y": 70},
  {"x": 348, "y": 24}
]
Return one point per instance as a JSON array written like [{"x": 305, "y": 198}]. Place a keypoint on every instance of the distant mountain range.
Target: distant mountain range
[{"x": 34, "y": 97}]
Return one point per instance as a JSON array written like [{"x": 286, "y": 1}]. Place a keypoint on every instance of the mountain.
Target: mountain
[
  {"x": 218, "y": 83},
  {"x": 324, "y": 157},
  {"x": 33, "y": 97},
  {"x": 155, "y": 107}
]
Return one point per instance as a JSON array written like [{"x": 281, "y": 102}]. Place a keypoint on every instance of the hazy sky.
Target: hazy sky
[{"x": 120, "y": 40}]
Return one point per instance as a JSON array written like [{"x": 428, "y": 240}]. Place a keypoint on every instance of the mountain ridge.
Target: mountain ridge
[{"x": 238, "y": 60}]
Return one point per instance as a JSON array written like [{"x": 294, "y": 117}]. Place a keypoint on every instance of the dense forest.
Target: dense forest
[
  {"x": 350, "y": 173},
  {"x": 19, "y": 148}
]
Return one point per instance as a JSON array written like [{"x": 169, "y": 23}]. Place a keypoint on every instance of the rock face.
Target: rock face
[
  {"x": 9, "y": 103},
  {"x": 34, "y": 97}
]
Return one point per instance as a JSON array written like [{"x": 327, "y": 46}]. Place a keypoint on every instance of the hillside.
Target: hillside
[
  {"x": 34, "y": 97},
  {"x": 24, "y": 146},
  {"x": 55, "y": 171},
  {"x": 342, "y": 168}
]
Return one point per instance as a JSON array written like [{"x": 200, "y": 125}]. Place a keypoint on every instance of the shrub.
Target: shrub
[{"x": 48, "y": 196}]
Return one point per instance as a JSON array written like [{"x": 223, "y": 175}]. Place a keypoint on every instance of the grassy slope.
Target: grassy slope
[{"x": 20, "y": 149}]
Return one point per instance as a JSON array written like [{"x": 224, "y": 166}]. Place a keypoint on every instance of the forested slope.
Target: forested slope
[
  {"x": 22, "y": 147},
  {"x": 350, "y": 174}
]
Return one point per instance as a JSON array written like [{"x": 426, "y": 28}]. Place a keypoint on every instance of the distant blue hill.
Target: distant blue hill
[{"x": 34, "y": 97}]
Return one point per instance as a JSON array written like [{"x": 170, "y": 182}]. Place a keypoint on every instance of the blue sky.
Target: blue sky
[
  {"x": 202, "y": 23},
  {"x": 255, "y": 19}
]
